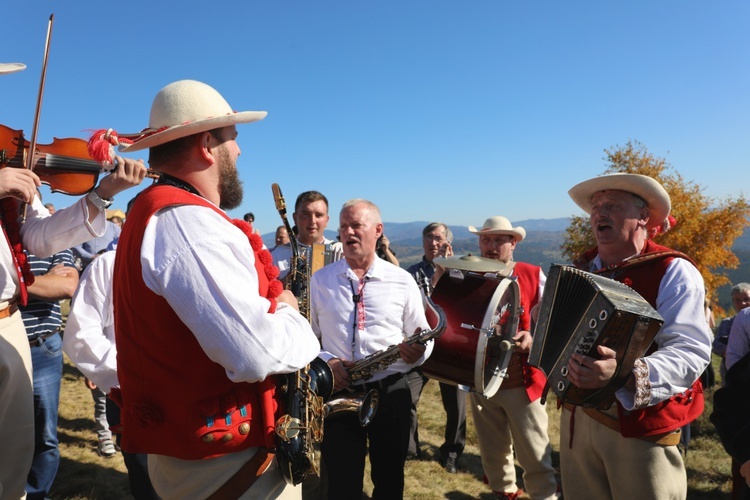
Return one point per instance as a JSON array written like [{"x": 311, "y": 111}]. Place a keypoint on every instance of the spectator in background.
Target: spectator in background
[
  {"x": 250, "y": 219},
  {"x": 282, "y": 237},
  {"x": 436, "y": 242},
  {"x": 86, "y": 252},
  {"x": 50, "y": 208},
  {"x": 56, "y": 279},
  {"x": 740, "y": 300},
  {"x": 384, "y": 250}
]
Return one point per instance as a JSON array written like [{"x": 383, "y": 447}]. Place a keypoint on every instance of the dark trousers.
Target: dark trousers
[
  {"x": 140, "y": 483},
  {"x": 454, "y": 403},
  {"x": 345, "y": 446},
  {"x": 417, "y": 381}
]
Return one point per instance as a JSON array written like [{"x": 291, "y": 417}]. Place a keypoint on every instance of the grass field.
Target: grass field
[{"x": 85, "y": 475}]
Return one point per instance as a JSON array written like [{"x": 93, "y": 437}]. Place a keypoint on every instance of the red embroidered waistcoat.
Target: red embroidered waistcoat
[
  {"x": 528, "y": 283},
  {"x": 175, "y": 400},
  {"x": 682, "y": 408}
]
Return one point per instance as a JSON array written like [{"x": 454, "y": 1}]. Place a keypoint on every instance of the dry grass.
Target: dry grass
[{"x": 84, "y": 475}]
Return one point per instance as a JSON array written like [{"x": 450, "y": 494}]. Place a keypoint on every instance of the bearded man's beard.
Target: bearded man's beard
[{"x": 230, "y": 185}]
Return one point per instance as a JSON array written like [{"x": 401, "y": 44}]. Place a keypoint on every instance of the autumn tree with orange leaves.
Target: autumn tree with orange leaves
[{"x": 705, "y": 229}]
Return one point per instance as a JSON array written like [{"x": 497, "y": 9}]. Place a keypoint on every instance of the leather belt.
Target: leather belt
[
  {"x": 8, "y": 311},
  {"x": 380, "y": 384},
  {"x": 37, "y": 341},
  {"x": 244, "y": 478},
  {"x": 671, "y": 438}
]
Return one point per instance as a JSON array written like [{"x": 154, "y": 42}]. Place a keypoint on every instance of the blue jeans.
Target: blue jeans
[{"x": 47, "y": 360}]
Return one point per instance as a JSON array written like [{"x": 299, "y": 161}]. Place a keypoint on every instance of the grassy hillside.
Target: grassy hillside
[{"x": 84, "y": 475}]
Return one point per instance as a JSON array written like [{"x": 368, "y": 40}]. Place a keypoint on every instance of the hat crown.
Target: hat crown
[
  {"x": 497, "y": 222},
  {"x": 186, "y": 101}
]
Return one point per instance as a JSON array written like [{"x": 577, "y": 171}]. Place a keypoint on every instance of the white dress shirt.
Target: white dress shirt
[
  {"x": 89, "y": 339},
  {"x": 684, "y": 340},
  {"x": 393, "y": 309},
  {"x": 739, "y": 338},
  {"x": 205, "y": 269}
]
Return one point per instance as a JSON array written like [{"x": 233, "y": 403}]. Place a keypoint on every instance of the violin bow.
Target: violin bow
[{"x": 35, "y": 126}]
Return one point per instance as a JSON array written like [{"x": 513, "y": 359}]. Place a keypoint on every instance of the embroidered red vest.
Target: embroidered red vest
[
  {"x": 682, "y": 408},
  {"x": 528, "y": 283},
  {"x": 176, "y": 401}
]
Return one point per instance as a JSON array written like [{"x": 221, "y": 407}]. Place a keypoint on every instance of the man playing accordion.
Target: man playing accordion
[{"x": 629, "y": 450}]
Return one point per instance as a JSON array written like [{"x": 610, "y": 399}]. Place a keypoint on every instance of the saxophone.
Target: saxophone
[
  {"x": 306, "y": 394},
  {"x": 365, "y": 368}
]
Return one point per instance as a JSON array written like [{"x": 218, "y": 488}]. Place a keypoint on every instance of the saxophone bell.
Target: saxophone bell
[{"x": 365, "y": 404}]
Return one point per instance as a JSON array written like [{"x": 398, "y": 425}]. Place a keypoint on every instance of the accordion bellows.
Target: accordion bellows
[{"x": 579, "y": 312}]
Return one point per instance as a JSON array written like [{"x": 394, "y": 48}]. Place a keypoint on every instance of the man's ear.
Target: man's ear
[
  {"x": 644, "y": 216},
  {"x": 204, "y": 140}
]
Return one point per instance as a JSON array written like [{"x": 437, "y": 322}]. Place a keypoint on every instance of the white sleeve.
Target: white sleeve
[
  {"x": 204, "y": 267},
  {"x": 89, "y": 334},
  {"x": 684, "y": 341},
  {"x": 45, "y": 235}
]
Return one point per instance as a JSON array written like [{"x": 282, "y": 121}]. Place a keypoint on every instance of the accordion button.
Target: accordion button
[
  {"x": 244, "y": 428},
  {"x": 227, "y": 437},
  {"x": 208, "y": 438}
]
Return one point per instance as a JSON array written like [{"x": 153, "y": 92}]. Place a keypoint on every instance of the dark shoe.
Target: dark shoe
[
  {"x": 449, "y": 464},
  {"x": 413, "y": 456}
]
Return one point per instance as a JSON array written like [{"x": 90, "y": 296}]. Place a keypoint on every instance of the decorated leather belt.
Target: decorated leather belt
[
  {"x": 671, "y": 438},
  {"x": 244, "y": 478}
]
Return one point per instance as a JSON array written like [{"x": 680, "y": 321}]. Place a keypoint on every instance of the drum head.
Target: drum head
[
  {"x": 501, "y": 320},
  {"x": 481, "y": 312}
]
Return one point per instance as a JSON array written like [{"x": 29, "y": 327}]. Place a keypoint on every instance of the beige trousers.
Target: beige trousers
[
  {"x": 506, "y": 421},
  {"x": 174, "y": 478},
  {"x": 604, "y": 465},
  {"x": 16, "y": 408}
]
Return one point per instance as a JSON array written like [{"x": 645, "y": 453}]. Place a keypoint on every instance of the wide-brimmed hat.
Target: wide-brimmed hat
[
  {"x": 653, "y": 193},
  {"x": 499, "y": 225},
  {"x": 184, "y": 108},
  {"x": 6, "y": 68}
]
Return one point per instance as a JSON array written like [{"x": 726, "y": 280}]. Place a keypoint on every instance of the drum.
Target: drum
[{"x": 482, "y": 314}]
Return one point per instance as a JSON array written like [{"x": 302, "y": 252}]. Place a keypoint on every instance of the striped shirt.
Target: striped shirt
[{"x": 40, "y": 316}]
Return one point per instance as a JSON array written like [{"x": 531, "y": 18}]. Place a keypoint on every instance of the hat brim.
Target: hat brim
[
  {"x": 7, "y": 68},
  {"x": 649, "y": 189},
  {"x": 149, "y": 138},
  {"x": 518, "y": 233}
]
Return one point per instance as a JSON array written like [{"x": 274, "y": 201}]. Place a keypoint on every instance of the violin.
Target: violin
[{"x": 64, "y": 165}]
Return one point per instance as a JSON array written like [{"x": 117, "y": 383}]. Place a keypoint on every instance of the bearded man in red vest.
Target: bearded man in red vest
[
  {"x": 201, "y": 322},
  {"x": 630, "y": 450},
  {"x": 513, "y": 419}
]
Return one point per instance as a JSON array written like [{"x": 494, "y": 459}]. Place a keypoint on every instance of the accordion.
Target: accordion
[{"x": 579, "y": 312}]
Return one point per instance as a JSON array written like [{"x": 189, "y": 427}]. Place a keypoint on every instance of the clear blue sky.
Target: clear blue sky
[{"x": 434, "y": 110}]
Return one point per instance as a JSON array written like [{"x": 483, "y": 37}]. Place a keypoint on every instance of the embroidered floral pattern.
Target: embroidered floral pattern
[{"x": 642, "y": 384}]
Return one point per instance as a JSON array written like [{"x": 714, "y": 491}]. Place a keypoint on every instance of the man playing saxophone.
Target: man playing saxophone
[{"x": 359, "y": 306}]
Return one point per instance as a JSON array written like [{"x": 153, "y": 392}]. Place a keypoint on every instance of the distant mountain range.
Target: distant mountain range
[{"x": 544, "y": 237}]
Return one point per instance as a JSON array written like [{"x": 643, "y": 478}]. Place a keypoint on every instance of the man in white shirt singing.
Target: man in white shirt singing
[{"x": 361, "y": 305}]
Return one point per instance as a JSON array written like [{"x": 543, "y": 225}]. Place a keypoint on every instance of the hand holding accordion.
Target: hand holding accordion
[{"x": 581, "y": 311}]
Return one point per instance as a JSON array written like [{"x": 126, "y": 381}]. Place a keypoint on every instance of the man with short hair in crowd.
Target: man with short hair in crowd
[
  {"x": 311, "y": 219},
  {"x": 362, "y": 305}
]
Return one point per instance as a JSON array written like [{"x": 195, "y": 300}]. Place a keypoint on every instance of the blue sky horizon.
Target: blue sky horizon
[{"x": 433, "y": 110}]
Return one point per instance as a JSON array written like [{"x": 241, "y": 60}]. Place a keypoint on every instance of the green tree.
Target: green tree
[{"x": 705, "y": 229}]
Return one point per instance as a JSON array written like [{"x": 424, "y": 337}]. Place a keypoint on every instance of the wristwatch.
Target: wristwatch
[{"x": 99, "y": 202}]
